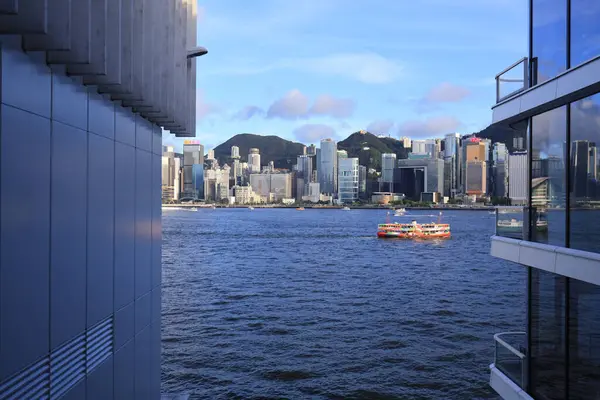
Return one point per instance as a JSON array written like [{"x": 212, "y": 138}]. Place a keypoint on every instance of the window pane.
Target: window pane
[
  {"x": 585, "y": 30},
  {"x": 547, "y": 335},
  {"x": 550, "y": 37},
  {"x": 548, "y": 177},
  {"x": 585, "y": 189},
  {"x": 584, "y": 340}
]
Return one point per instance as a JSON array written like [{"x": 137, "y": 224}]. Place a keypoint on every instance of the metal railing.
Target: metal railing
[
  {"x": 510, "y": 357},
  {"x": 512, "y": 80},
  {"x": 511, "y": 222}
]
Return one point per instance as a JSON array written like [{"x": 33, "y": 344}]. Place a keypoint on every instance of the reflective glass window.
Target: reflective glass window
[
  {"x": 549, "y": 37},
  {"x": 585, "y": 187},
  {"x": 585, "y": 30}
]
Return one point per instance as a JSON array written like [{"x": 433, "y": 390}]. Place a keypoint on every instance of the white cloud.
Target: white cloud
[
  {"x": 368, "y": 67},
  {"x": 292, "y": 105},
  {"x": 435, "y": 126},
  {"x": 296, "y": 105},
  {"x": 311, "y": 133}
]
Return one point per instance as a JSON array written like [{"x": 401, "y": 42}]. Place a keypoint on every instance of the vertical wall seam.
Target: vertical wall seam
[{"x": 51, "y": 188}]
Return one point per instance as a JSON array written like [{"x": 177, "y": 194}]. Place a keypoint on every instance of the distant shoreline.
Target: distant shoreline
[{"x": 335, "y": 207}]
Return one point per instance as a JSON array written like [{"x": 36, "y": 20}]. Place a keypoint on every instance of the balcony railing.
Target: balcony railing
[
  {"x": 512, "y": 80},
  {"x": 509, "y": 356},
  {"x": 511, "y": 222}
]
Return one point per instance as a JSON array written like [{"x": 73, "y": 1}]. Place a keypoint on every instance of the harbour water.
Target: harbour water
[{"x": 279, "y": 303}]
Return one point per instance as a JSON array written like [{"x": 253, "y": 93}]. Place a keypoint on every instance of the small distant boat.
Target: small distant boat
[
  {"x": 213, "y": 207},
  {"x": 346, "y": 209},
  {"x": 399, "y": 212},
  {"x": 300, "y": 209},
  {"x": 250, "y": 208},
  {"x": 492, "y": 213},
  {"x": 193, "y": 209}
]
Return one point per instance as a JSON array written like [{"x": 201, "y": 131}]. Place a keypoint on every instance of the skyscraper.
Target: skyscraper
[
  {"x": 254, "y": 161},
  {"x": 193, "y": 154},
  {"x": 235, "y": 152},
  {"x": 303, "y": 175},
  {"x": 452, "y": 167},
  {"x": 499, "y": 170},
  {"x": 327, "y": 170},
  {"x": 348, "y": 180}
]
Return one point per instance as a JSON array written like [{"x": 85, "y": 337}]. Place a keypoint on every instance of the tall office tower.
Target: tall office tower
[
  {"x": 254, "y": 161},
  {"x": 388, "y": 163},
  {"x": 327, "y": 169},
  {"x": 235, "y": 152},
  {"x": 517, "y": 178},
  {"x": 80, "y": 265},
  {"x": 311, "y": 150},
  {"x": 499, "y": 170},
  {"x": 473, "y": 149},
  {"x": 170, "y": 174},
  {"x": 303, "y": 175},
  {"x": 362, "y": 181},
  {"x": 210, "y": 155},
  {"x": 348, "y": 180},
  {"x": 431, "y": 173},
  {"x": 193, "y": 154},
  {"x": 452, "y": 168}
]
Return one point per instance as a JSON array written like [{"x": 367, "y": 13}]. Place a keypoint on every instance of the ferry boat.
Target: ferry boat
[
  {"x": 250, "y": 208},
  {"x": 399, "y": 212},
  {"x": 414, "y": 230},
  {"x": 346, "y": 208},
  {"x": 193, "y": 209},
  {"x": 513, "y": 225}
]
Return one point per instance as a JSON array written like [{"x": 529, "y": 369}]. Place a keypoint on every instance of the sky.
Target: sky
[{"x": 317, "y": 69}]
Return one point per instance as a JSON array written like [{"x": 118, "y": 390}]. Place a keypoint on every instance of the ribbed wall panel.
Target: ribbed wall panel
[
  {"x": 154, "y": 77},
  {"x": 99, "y": 343},
  {"x": 67, "y": 367},
  {"x": 31, "y": 383}
]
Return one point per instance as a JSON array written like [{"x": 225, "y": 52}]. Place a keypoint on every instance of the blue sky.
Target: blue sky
[{"x": 326, "y": 68}]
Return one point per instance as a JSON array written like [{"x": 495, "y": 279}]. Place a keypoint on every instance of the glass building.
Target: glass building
[
  {"x": 327, "y": 166},
  {"x": 551, "y": 97},
  {"x": 348, "y": 180},
  {"x": 198, "y": 181}
]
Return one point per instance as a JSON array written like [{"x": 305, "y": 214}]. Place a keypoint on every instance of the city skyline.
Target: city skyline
[{"x": 327, "y": 84}]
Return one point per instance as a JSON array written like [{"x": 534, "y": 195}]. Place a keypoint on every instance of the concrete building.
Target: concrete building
[
  {"x": 419, "y": 146},
  {"x": 547, "y": 104},
  {"x": 235, "y": 152},
  {"x": 499, "y": 170},
  {"x": 327, "y": 167},
  {"x": 80, "y": 267},
  {"x": 425, "y": 175},
  {"x": 476, "y": 178},
  {"x": 303, "y": 175},
  {"x": 406, "y": 142},
  {"x": 452, "y": 167},
  {"x": 254, "y": 161},
  {"x": 272, "y": 186},
  {"x": 170, "y": 175},
  {"x": 210, "y": 155},
  {"x": 348, "y": 180}
]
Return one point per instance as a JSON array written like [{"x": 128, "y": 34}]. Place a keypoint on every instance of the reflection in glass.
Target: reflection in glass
[
  {"x": 547, "y": 332},
  {"x": 548, "y": 176},
  {"x": 585, "y": 30},
  {"x": 549, "y": 37},
  {"x": 584, "y": 340},
  {"x": 585, "y": 188}
]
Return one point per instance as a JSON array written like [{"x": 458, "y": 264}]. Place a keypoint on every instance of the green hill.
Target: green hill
[
  {"x": 272, "y": 148},
  {"x": 369, "y": 148}
]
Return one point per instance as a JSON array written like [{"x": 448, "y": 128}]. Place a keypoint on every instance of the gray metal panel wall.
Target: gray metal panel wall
[{"x": 79, "y": 199}]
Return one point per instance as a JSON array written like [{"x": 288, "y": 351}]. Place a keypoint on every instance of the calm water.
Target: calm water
[{"x": 276, "y": 303}]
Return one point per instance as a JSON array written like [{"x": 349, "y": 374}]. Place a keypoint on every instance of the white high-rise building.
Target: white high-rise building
[
  {"x": 235, "y": 152},
  {"x": 327, "y": 169},
  {"x": 406, "y": 142},
  {"x": 254, "y": 161},
  {"x": 419, "y": 146},
  {"x": 210, "y": 155}
]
